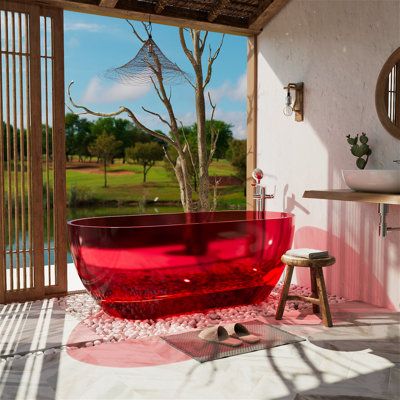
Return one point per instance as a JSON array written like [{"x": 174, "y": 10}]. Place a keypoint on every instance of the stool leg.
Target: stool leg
[
  {"x": 314, "y": 290},
  {"x": 323, "y": 298},
  {"x": 285, "y": 292}
]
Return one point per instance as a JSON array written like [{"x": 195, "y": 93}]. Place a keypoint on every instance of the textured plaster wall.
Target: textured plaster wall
[{"x": 337, "y": 48}]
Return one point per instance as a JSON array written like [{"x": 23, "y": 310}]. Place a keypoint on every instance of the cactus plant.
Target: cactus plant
[{"x": 360, "y": 150}]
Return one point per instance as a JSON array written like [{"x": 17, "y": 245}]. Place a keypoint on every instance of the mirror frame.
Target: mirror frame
[{"x": 380, "y": 95}]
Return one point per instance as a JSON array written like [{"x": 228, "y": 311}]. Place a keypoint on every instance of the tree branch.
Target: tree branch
[
  {"x": 215, "y": 193},
  {"x": 189, "y": 81},
  {"x": 121, "y": 110},
  {"x": 157, "y": 115},
  {"x": 167, "y": 103},
  {"x": 147, "y": 28},
  {"x": 188, "y": 53},
  {"x": 203, "y": 42},
  {"x": 135, "y": 31},
  {"x": 157, "y": 135},
  {"x": 73, "y": 112},
  {"x": 214, "y": 135},
  {"x": 168, "y": 157},
  {"x": 189, "y": 151},
  {"x": 163, "y": 95},
  {"x": 211, "y": 59},
  {"x": 156, "y": 89},
  {"x": 88, "y": 111}
]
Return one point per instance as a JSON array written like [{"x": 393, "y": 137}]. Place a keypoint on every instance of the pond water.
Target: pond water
[
  {"x": 83, "y": 213},
  {"x": 77, "y": 213}
]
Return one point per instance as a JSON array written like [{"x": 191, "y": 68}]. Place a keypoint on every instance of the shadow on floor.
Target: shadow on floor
[
  {"x": 360, "y": 338},
  {"x": 27, "y": 331}
]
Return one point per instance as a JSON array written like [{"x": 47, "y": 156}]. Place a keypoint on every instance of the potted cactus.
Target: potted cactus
[{"x": 360, "y": 149}]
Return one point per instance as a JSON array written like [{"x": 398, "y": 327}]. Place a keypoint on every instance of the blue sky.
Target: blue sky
[{"x": 93, "y": 44}]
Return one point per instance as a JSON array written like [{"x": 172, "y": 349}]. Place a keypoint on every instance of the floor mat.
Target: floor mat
[{"x": 202, "y": 351}]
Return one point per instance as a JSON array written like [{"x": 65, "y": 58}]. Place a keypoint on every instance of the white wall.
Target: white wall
[{"x": 337, "y": 48}]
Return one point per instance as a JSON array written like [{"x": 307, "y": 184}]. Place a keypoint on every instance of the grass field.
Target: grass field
[{"x": 125, "y": 184}]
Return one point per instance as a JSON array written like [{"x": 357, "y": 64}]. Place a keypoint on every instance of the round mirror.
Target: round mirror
[{"x": 387, "y": 95}]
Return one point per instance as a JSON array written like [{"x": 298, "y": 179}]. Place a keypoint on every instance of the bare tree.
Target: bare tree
[{"x": 176, "y": 137}]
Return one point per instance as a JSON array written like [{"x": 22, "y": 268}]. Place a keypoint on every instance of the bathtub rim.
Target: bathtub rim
[{"x": 280, "y": 215}]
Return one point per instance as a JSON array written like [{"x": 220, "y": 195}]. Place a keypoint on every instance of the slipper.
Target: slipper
[
  {"x": 218, "y": 334},
  {"x": 239, "y": 331}
]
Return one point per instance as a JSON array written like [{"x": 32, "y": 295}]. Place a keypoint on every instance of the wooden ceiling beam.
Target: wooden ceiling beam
[
  {"x": 216, "y": 10},
  {"x": 108, "y": 3},
  {"x": 160, "y": 6},
  {"x": 267, "y": 14},
  {"x": 142, "y": 16}
]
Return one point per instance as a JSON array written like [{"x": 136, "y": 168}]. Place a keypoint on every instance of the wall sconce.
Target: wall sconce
[{"x": 297, "y": 107}]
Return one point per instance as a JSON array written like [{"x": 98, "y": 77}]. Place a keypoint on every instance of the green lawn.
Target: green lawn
[{"x": 125, "y": 184}]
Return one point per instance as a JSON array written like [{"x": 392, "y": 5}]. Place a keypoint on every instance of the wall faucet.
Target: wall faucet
[
  {"x": 259, "y": 190},
  {"x": 396, "y": 161}
]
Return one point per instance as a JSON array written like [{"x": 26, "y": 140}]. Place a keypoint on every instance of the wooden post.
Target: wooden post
[
  {"x": 251, "y": 118},
  {"x": 3, "y": 264},
  {"x": 36, "y": 151},
  {"x": 60, "y": 217}
]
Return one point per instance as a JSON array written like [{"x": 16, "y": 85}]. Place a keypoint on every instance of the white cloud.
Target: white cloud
[
  {"x": 82, "y": 26},
  {"x": 188, "y": 119},
  {"x": 99, "y": 93},
  {"x": 73, "y": 43},
  {"x": 236, "y": 91},
  {"x": 237, "y": 119}
]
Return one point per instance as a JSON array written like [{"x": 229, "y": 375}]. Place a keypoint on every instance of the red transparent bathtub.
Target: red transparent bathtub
[{"x": 149, "y": 266}]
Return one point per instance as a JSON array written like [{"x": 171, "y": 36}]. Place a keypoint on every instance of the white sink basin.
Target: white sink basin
[{"x": 373, "y": 180}]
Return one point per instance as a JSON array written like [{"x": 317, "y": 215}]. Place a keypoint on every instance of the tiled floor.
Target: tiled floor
[{"x": 359, "y": 356}]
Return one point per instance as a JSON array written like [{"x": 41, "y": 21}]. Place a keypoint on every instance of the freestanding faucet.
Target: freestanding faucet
[{"x": 259, "y": 190}]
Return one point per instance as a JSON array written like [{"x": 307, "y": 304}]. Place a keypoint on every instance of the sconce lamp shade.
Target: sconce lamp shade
[{"x": 298, "y": 106}]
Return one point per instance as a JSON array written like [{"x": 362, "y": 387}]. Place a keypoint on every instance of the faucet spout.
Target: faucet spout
[{"x": 259, "y": 191}]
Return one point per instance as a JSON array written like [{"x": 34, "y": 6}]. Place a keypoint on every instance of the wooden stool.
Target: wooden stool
[{"x": 319, "y": 298}]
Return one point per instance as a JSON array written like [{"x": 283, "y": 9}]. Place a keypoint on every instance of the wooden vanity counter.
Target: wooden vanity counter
[{"x": 351, "y": 195}]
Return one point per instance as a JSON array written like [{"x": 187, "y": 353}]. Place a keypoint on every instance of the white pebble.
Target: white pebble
[{"x": 85, "y": 309}]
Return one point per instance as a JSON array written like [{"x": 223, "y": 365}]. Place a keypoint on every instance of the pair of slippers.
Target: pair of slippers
[{"x": 229, "y": 335}]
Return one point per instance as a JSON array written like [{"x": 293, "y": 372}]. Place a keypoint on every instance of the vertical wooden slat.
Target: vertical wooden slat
[
  {"x": 28, "y": 146},
  {"x": 8, "y": 145},
  {"x": 36, "y": 150},
  {"x": 251, "y": 118},
  {"x": 3, "y": 264},
  {"x": 47, "y": 167},
  {"x": 15, "y": 151},
  {"x": 59, "y": 200},
  {"x": 22, "y": 150}
]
